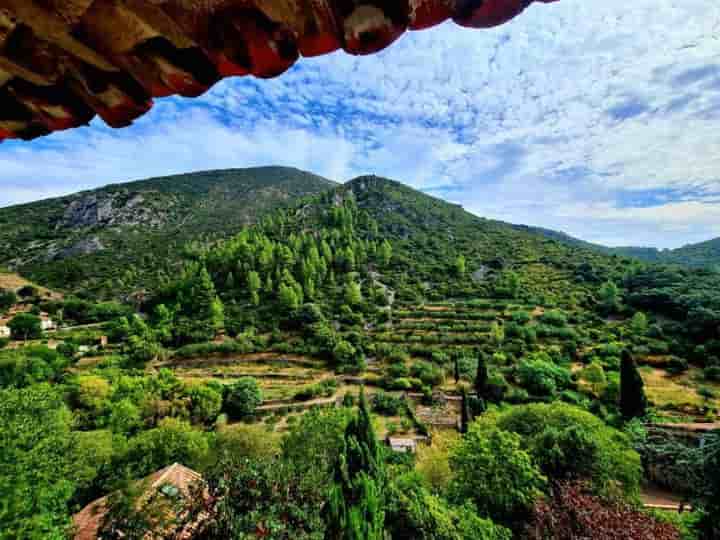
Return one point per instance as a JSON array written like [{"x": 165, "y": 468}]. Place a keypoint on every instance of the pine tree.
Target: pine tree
[
  {"x": 355, "y": 509},
  {"x": 288, "y": 297},
  {"x": 632, "y": 389},
  {"x": 207, "y": 307},
  {"x": 353, "y": 293},
  {"x": 230, "y": 281},
  {"x": 457, "y": 370},
  {"x": 254, "y": 285},
  {"x": 385, "y": 253},
  {"x": 481, "y": 377},
  {"x": 460, "y": 266}
]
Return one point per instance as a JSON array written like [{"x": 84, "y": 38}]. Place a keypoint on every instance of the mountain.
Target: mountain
[
  {"x": 702, "y": 254},
  {"x": 123, "y": 236}
]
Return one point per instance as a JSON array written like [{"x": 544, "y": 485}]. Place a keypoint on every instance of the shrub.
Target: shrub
[
  {"x": 554, "y": 318},
  {"x": 543, "y": 378},
  {"x": 398, "y": 371},
  {"x": 492, "y": 469},
  {"x": 324, "y": 388},
  {"x": 428, "y": 373},
  {"x": 401, "y": 384},
  {"x": 582, "y": 445},
  {"x": 25, "y": 326},
  {"x": 520, "y": 317},
  {"x": 677, "y": 365},
  {"x": 712, "y": 373},
  {"x": 386, "y": 404},
  {"x": 242, "y": 397}
]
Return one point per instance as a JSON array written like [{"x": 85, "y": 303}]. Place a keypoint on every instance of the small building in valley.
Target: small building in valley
[
  {"x": 4, "y": 330},
  {"x": 175, "y": 483},
  {"x": 402, "y": 445}
]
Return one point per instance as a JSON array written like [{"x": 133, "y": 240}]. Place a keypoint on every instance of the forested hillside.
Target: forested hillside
[
  {"x": 288, "y": 364},
  {"x": 701, "y": 255},
  {"x": 121, "y": 238}
]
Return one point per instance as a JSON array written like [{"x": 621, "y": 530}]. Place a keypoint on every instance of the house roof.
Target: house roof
[
  {"x": 88, "y": 521},
  {"x": 72, "y": 60}
]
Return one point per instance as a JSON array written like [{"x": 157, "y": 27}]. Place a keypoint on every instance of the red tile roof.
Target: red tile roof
[{"x": 88, "y": 521}]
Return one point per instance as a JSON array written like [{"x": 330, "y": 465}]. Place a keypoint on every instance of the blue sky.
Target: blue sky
[{"x": 601, "y": 119}]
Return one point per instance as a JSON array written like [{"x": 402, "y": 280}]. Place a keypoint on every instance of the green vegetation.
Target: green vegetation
[
  {"x": 126, "y": 238},
  {"x": 244, "y": 356}
]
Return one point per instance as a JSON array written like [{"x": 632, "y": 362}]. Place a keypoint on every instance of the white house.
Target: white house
[
  {"x": 4, "y": 331},
  {"x": 47, "y": 324}
]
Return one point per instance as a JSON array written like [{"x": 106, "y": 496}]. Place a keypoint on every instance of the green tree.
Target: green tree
[
  {"x": 639, "y": 324},
  {"x": 35, "y": 464},
  {"x": 385, "y": 253},
  {"x": 8, "y": 299},
  {"x": 609, "y": 297},
  {"x": 415, "y": 513},
  {"x": 314, "y": 443},
  {"x": 205, "y": 403},
  {"x": 568, "y": 442},
  {"x": 353, "y": 294},
  {"x": 25, "y": 326},
  {"x": 494, "y": 471},
  {"x": 355, "y": 509},
  {"x": 481, "y": 377},
  {"x": 172, "y": 441},
  {"x": 243, "y": 397},
  {"x": 125, "y": 417},
  {"x": 162, "y": 322},
  {"x": 254, "y": 286},
  {"x": 460, "y": 266},
  {"x": 465, "y": 416},
  {"x": 288, "y": 298},
  {"x": 633, "y": 402}
]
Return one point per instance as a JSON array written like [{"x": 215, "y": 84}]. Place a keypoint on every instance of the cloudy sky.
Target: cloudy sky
[{"x": 601, "y": 119}]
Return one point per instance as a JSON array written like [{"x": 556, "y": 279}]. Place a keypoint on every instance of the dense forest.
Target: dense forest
[{"x": 528, "y": 374}]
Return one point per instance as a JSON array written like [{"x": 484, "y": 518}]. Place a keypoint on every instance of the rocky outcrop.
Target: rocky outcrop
[
  {"x": 86, "y": 246},
  {"x": 112, "y": 209}
]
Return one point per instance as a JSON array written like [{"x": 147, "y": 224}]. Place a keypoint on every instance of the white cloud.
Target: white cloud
[{"x": 554, "y": 119}]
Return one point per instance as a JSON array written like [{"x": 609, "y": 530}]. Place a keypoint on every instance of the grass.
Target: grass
[{"x": 678, "y": 392}]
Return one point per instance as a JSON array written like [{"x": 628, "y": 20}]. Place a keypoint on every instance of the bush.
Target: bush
[
  {"x": 676, "y": 365},
  {"x": 400, "y": 384},
  {"x": 243, "y": 397},
  {"x": 520, "y": 317},
  {"x": 387, "y": 404},
  {"x": 324, "y": 388},
  {"x": 712, "y": 373},
  {"x": 554, "y": 318},
  {"x": 428, "y": 373},
  {"x": 543, "y": 378},
  {"x": 25, "y": 326},
  {"x": 580, "y": 445},
  {"x": 492, "y": 469}
]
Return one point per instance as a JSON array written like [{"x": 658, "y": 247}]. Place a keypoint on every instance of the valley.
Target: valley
[{"x": 246, "y": 314}]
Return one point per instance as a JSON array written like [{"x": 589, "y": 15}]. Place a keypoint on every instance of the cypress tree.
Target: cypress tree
[
  {"x": 464, "y": 412},
  {"x": 355, "y": 509},
  {"x": 632, "y": 389},
  {"x": 481, "y": 377}
]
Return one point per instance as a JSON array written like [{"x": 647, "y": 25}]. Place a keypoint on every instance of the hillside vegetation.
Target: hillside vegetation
[
  {"x": 526, "y": 370},
  {"x": 124, "y": 237},
  {"x": 702, "y": 254}
]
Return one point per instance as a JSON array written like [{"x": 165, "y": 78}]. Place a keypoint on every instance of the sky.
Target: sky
[{"x": 600, "y": 119}]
